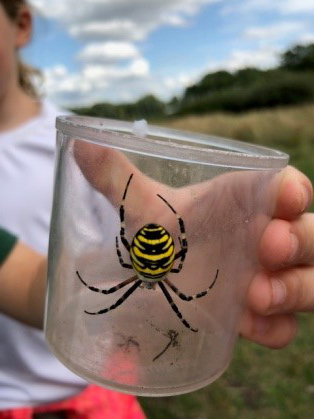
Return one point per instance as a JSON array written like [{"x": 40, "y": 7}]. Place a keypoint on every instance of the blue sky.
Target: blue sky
[{"x": 120, "y": 50}]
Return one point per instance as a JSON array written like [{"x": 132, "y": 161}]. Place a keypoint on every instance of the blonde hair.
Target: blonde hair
[{"x": 26, "y": 73}]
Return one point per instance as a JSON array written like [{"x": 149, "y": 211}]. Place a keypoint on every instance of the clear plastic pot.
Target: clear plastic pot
[{"x": 204, "y": 203}]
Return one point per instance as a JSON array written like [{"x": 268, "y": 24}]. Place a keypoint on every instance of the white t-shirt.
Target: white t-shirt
[{"x": 29, "y": 372}]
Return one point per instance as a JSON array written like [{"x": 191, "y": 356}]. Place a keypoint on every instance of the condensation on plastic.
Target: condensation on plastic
[{"x": 224, "y": 190}]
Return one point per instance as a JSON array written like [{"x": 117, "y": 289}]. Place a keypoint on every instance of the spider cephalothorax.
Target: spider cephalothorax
[{"x": 152, "y": 256}]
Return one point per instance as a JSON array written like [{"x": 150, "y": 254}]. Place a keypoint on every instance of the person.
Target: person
[
  {"x": 31, "y": 378},
  {"x": 29, "y": 374},
  {"x": 22, "y": 300}
]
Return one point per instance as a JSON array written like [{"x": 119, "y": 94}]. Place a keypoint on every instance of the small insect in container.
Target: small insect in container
[{"x": 153, "y": 245}]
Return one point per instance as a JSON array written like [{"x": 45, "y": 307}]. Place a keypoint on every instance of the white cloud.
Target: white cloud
[
  {"x": 175, "y": 20},
  {"x": 284, "y": 7},
  {"x": 297, "y": 6},
  {"x": 273, "y": 31},
  {"x": 114, "y": 29},
  {"x": 137, "y": 13},
  {"x": 59, "y": 80},
  {"x": 93, "y": 82},
  {"x": 107, "y": 83},
  {"x": 305, "y": 38},
  {"x": 179, "y": 82},
  {"x": 108, "y": 52},
  {"x": 263, "y": 58},
  {"x": 138, "y": 68}
]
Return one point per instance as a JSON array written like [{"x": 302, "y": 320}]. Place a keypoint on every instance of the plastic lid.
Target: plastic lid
[{"x": 172, "y": 144}]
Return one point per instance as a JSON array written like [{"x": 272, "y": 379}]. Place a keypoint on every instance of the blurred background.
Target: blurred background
[{"x": 240, "y": 69}]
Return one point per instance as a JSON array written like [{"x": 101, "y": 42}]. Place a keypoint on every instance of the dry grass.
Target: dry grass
[
  {"x": 263, "y": 127},
  {"x": 287, "y": 129}
]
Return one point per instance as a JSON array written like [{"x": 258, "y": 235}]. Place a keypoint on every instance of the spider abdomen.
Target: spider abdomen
[{"x": 152, "y": 252}]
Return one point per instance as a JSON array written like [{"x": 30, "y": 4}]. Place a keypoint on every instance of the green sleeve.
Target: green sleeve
[{"x": 7, "y": 242}]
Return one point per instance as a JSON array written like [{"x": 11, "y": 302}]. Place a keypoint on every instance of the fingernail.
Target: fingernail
[
  {"x": 306, "y": 198},
  {"x": 279, "y": 292},
  {"x": 294, "y": 246}
]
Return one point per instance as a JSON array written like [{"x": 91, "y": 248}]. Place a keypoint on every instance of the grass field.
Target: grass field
[
  {"x": 260, "y": 383},
  {"x": 287, "y": 129}
]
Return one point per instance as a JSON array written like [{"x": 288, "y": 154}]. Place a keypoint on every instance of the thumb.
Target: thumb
[{"x": 108, "y": 171}]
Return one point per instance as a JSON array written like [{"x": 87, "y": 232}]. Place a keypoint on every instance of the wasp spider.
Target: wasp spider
[{"x": 152, "y": 256}]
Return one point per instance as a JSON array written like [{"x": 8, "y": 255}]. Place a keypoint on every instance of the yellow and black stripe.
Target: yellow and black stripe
[{"x": 152, "y": 252}]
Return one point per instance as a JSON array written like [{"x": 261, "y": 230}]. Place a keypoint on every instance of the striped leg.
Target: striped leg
[
  {"x": 182, "y": 239},
  {"x": 191, "y": 297},
  {"x": 174, "y": 307},
  {"x": 122, "y": 229},
  {"x": 181, "y": 254},
  {"x": 122, "y": 263},
  {"x": 118, "y": 302},
  {"x": 109, "y": 290}
]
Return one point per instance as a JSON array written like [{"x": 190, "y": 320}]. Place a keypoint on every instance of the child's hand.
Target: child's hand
[{"x": 286, "y": 286}]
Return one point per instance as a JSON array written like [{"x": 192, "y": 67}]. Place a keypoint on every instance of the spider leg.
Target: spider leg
[
  {"x": 119, "y": 301},
  {"x": 182, "y": 239},
  {"x": 191, "y": 297},
  {"x": 122, "y": 263},
  {"x": 109, "y": 290},
  {"x": 122, "y": 229},
  {"x": 181, "y": 254},
  {"x": 174, "y": 307}
]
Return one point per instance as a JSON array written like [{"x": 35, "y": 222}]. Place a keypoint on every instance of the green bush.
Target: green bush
[
  {"x": 147, "y": 107},
  {"x": 273, "y": 88}
]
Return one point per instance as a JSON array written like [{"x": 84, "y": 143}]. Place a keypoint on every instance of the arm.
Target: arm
[{"x": 22, "y": 282}]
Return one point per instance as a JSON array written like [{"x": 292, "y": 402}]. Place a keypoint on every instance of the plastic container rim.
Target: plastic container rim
[{"x": 172, "y": 144}]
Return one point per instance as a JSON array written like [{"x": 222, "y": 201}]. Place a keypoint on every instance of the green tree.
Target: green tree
[
  {"x": 148, "y": 107},
  {"x": 209, "y": 84},
  {"x": 300, "y": 57},
  {"x": 247, "y": 76}
]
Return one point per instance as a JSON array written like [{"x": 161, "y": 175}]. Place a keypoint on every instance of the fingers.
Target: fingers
[
  {"x": 295, "y": 194},
  {"x": 272, "y": 301},
  {"x": 287, "y": 291},
  {"x": 286, "y": 251},
  {"x": 285, "y": 244},
  {"x": 274, "y": 331}
]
